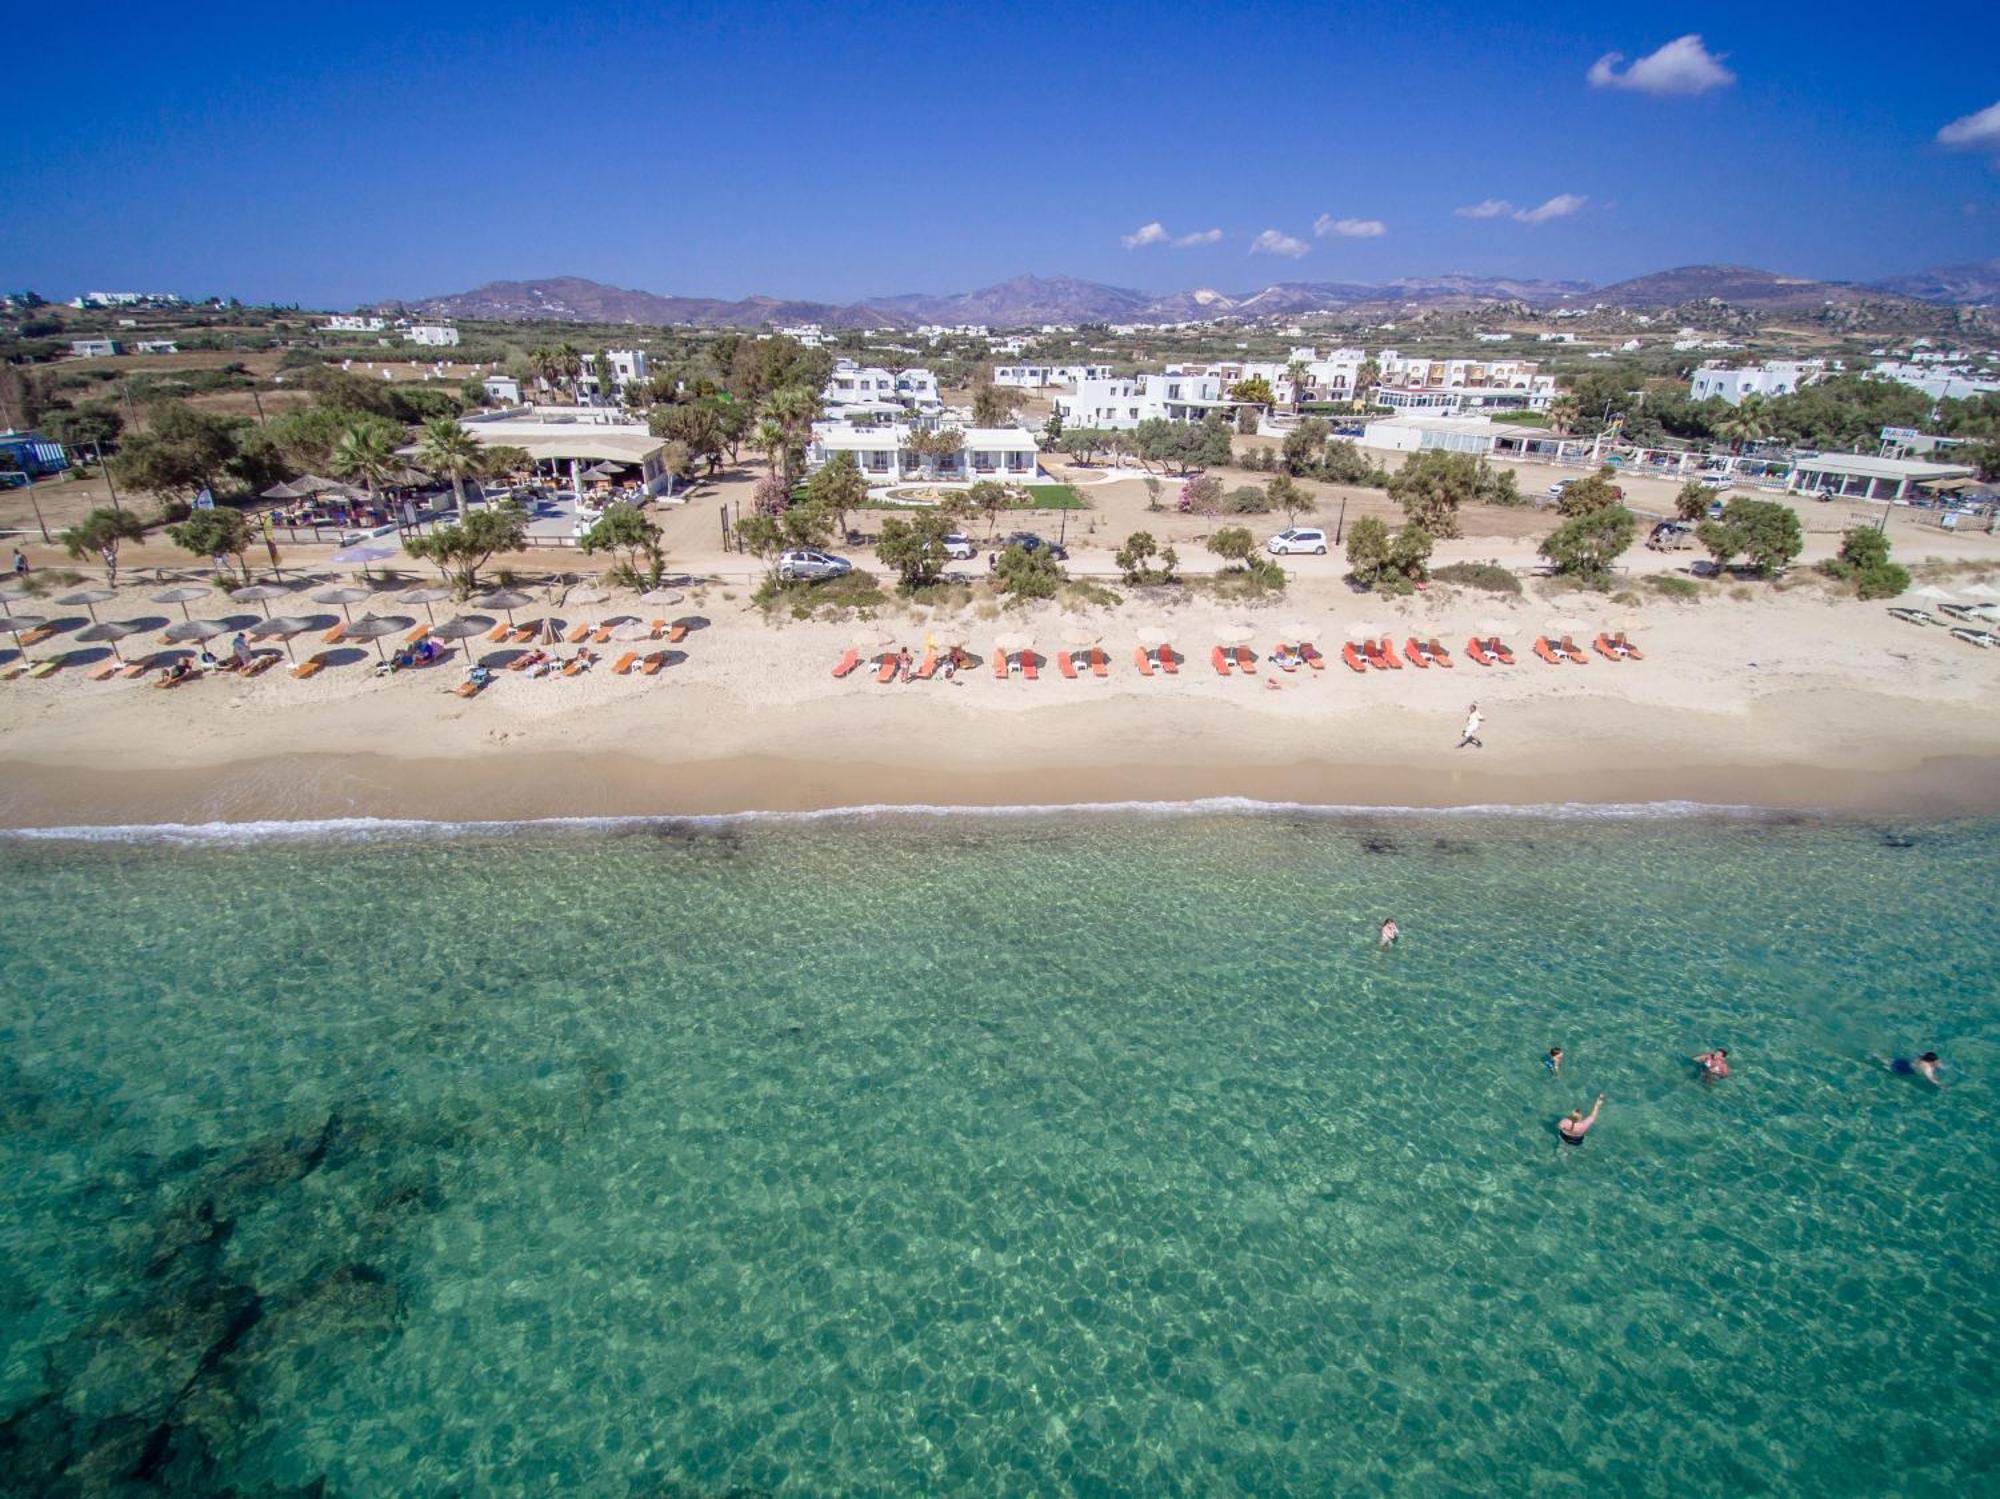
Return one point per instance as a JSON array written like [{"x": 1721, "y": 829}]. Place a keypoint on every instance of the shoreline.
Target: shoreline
[{"x": 306, "y": 791}]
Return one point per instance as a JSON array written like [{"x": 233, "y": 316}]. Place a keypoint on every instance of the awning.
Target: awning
[{"x": 1949, "y": 486}]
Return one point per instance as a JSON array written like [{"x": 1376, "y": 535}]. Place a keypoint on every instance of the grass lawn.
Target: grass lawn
[{"x": 1050, "y": 497}]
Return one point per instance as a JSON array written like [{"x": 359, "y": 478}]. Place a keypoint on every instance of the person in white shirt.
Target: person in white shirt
[{"x": 1472, "y": 723}]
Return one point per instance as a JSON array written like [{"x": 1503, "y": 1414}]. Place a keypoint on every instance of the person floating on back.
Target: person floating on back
[
  {"x": 1713, "y": 1064},
  {"x": 1574, "y": 1128}
]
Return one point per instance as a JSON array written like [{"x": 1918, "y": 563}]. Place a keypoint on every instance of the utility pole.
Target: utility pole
[{"x": 98, "y": 453}]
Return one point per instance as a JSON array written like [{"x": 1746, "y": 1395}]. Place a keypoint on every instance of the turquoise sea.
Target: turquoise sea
[{"x": 1037, "y": 1154}]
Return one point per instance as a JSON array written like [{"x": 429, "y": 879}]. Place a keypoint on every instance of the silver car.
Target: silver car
[{"x": 808, "y": 566}]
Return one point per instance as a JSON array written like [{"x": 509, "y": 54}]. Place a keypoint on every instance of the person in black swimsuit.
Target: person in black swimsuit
[{"x": 1574, "y": 1128}]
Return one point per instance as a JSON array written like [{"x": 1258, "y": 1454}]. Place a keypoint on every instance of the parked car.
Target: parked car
[
  {"x": 1028, "y": 541},
  {"x": 1289, "y": 543},
  {"x": 1716, "y": 481},
  {"x": 1715, "y": 509},
  {"x": 13, "y": 478},
  {"x": 958, "y": 547},
  {"x": 1556, "y": 489},
  {"x": 1671, "y": 536},
  {"x": 806, "y": 566}
]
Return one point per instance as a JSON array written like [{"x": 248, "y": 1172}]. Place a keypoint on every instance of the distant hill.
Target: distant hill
[
  {"x": 1029, "y": 300},
  {"x": 1974, "y": 284}
]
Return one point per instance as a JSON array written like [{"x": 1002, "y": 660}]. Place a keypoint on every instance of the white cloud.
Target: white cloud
[
  {"x": 1326, "y": 224},
  {"x": 1683, "y": 67},
  {"x": 1271, "y": 242},
  {"x": 1201, "y": 237},
  {"x": 1979, "y": 132},
  {"x": 1490, "y": 208},
  {"x": 1154, "y": 233},
  {"x": 1561, "y": 206}
]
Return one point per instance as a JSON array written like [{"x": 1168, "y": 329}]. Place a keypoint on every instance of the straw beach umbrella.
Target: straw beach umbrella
[
  {"x": 281, "y": 628},
  {"x": 14, "y": 625},
  {"x": 257, "y": 593},
  {"x": 195, "y": 631},
  {"x": 870, "y": 638},
  {"x": 87, "y": 598},
  {"x": 1152, "y": 636},
  {"x": 110, "y": 631},
  {"x": 344, "y": 595},
  {"x": 585, "y": 595},
  {"x": 1014, "y": 643},
  {"x": 506, "y": 600},
  {"x": 1932, "y": 592},
  {"x": 1233, "y": 633},
  {"x": 631, "y": 629},
  {"x": 661, "y": 597},
  {"x": 183, "y": 595},
  {"x": 375, "y": 626},
  {"x": 464, "y": 627},
  {"x": 426, "y": 597},
  {"x": 1971, "y": 591},
  {"x": 1294, "y": 632}
]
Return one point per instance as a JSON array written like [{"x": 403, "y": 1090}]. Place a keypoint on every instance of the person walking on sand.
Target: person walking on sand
[
  {"x": 20, "y": 563},
  {"x": 1472, "y": 723},
  {"x": 1574, "y": 1128}
]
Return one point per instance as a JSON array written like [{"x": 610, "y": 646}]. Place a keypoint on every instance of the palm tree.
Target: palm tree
[
  {"x": 1748, "y": 421},
  {"x": 1366, "y": 374},
  {"x": 794, "y": 408},
  {"x": 1296, "y": 373},
  {"x": 569, "y": 365},
  {"x": 1563, "y": 412},
  {"x": 771, "y": 440},
  {"x": 366, "y": 451},
  {"x": 449, "y": 450},
  {"x": 543, "y": 359}
]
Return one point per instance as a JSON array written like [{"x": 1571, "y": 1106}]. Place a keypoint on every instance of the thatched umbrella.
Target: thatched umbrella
[
  {"x": 426, "y": 597},
  {"x": 344, "y": 595},
  {"x": 183, "y": 595},
  {"x": 110, "y": 632},
  {"x": 586, "y": 594},
  {"x": 14, "y": 625},
  {"x": 464, "y": 627},
  {"x": 666, "y": 597},
  {"x": 375, "y": 626},
  {"x": 1233, "y": 634},
  {"x": 196, "y": 631},
  {"x": 506, "y": 600},
  {"x": 257, "y": 593},
  {"x": 281, "y": 628},
  {"x": 87, "y": 598},
  {"x": 631, "y": 629}
]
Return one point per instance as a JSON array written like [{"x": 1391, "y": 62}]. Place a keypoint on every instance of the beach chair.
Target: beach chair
[
  {"x": 1416, "y": 651},
  {"x": 417, "y": 634},
  {"x": 1606, "y": 649},
  {"x": 134, "y": 670},
  {"x": 1497, "y": 649},
  {"x": 1100, "y": 664},
  {"x": 1353, "y": 657},
  {"x": 654, "y": 662},
  {"x": 1913, "y": 617},
  {"x": 525, "y": 634},
  {"x": 581, "y": 664},
  {"x": 578, "y": 632},
  {"x": 471, "y": 687},
  {"x": 1031, "y": 666},
  {"x": 46, "y": 668},
  {"x": 659, "y": 628},
  {"x": 1546, "y": 651},
  {"x": 928, "y": 669},
  {"x": 1389, "y": 657},
  {"x": 1372, "y": 654},
  {"x": 677, "y": 634},
  {"x": 1246, "y": 661},
  {"x": 312, "y": 666},
  {"x": 1220, "y": 661},
  {"x": 603, "y": 635},
  {"x": 337, "y": 634},
  {"x": 37, "y": 635},
  {"x": 1143, "y": 661},
  {"x": 104, "y": 671},
  {"x": 1627, "y": 648},
  {"x": 888, "y": 671},
  {"x": 841, "y": 668},
  {"x": 260, "y": 663},
  {"x": 499, "y": 632},
  {"x": 1477, "y": 652},
  {"x": 1439, "y": 654},
  {"x": 1066, "y": 666},
  {"x": 1312, "y": 656},
  {"x": 1169, "y": 662},
  {"x": 171, "y": 681},
  {"x": 1570, "y": 649},
  {"x": 625, "y": 663},
  {"x": 1000, "y": 663}
]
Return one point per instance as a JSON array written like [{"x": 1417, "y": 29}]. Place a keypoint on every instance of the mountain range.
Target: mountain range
[{"x": 1030, "y": 300}]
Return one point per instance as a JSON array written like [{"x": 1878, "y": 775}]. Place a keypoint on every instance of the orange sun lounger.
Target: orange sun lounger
[
  {"x": 1353, "y": 657},
  {"x": 1627, "y": 647},
  {"x": 929, "y": 668},
  {"x": 583, "y": 659},
  {"x": 1497, "y": 649},
  {"x": 1546, "y": 651},
  {"x": 654, "y": 662},
  {"x": 1570, "y": 649},
  {"x": 1246, "y": 661},
  {"x": 469, "y": 688},
  {"x": 1477, "y": 652},
  {"x": 1100, "y": 664},
  {"x": 626, "y": 662},
  {"x": 1438, "y": 653},
  {"x": 1065, "y": 665},
  {"x": 1414, "y": 649},
  {"x": 1605, "y": 648},
  {"x": 1389, "y": 656},
  {"x": 999, "y": 663},
  {"x": 1169, "y": 662},
  {"x": 499, "y": 632},
  {"x": 842, "y": 667},
  {"x": 312, "y": 666},
  {"x": 337, "y": 634},
  {"x": 1313, "y": 658},
  {"x": 677, "y": 634},
  {"x": 1031, "y": 666},
  {"x": 1141, "y": 660},
  {"x": 1221, "y": 662},
  {"x": 888, "y": 671},
  {"x": 578, "y": 632},
  {"x": 417, "y": 634},
  {"x": 104, "y": 670}
]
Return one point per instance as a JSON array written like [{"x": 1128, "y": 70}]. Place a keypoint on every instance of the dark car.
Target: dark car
[{"x": 1028, "y": 541}]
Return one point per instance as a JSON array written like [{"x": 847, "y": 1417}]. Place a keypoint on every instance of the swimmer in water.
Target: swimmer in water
[
  {"x": 1714, "y": 1063},
  {"x": 1555, "y": 1060},
  {"x": 1574, "y": 1128},
  {"x": 1390, "y": 931},
  {"x": 1925, "y": 1067}
]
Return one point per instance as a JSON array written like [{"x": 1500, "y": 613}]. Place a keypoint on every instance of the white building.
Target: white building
[
  {"x": 432, "y": 335},
  {"x": 503, "y": 390},
  {"x": 1042, "y": 376},
  {"x": 853, "y": 386},
  {"x": 156, "y": 346},
  {"x": 93, "y": 348},
  {"x": 1453, "y": 434},
  {"x": 342, "y": 323},
  {"x": 1118, "y": 405},
  {"x": 885, "y": 457},
  {"x": 811, "y": 335},
  {"x": 1937, "y": 382},
  {"x": 1774, "y": 377},
  {"x": 1857, "y": 476},
  {"x": 1416, "y": 383},
  {"x": 564, "y": 441}
]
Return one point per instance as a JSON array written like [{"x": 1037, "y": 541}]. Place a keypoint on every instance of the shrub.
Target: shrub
[
  {"x": 1233, "y": 544},
  {"x": 1586, "y": 545},
  {"x": 1482, "y": 575},
  {"x": 1027, "y": 575},
  {"x": 1671, "y": 586},
  {"x": 1135, "y": 559},
  {"x": 1885, "y": 580},
  {"x": 1246, "y": 499}
]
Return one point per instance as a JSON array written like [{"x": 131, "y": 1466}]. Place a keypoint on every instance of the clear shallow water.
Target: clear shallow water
[{"x": 1082, "y": 1154}]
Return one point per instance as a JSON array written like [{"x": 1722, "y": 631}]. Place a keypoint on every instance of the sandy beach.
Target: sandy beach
[{"x": 1788, "y": 700}]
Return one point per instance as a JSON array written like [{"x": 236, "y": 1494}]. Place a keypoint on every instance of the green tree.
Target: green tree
[
  {"x": 1583, "y": 496},
  {"x": 1052, "y": 430},
  {"x": 1691, "y": 503},
  {"x": 366, "y": 451},
  {"x": 1983, "y": 456},
  {"x": 461, "y": 548},
  {"x": 1256, "y": 391},
  {"x": 1410, "y": 551},
  {"x": 95, "y": 424},
  {"x": 448, "y": 451},
  {"x": 1136, "y": 557},
  {"x": 988, "y": 498},
  {"x": 794, "y": 408},
  {"x": 1863, "y": 546},
  {"x": 219, "y": 533},
  {"x": 914, "y": 548},
  {"x": 181, "y": 452},
  {"x": 1563, "y": 412},
  {"x": 993, "y": 405},
  {"x": 1305, "y": 446},
  {"x": 1027, "y": 575},
  {"x": 100, "y": 534},
  {"x": 1202, "y": 496},
  {"x": 1295, "y": 374},
  {"x": 1748, "y": 421},
  {"x": 1764, "y": 532},
  {"x": 838, "y": 487},
  {"x": 1233, "y": 544},
  {"x": 1585, "y": 545},
  {"x": 1368, "y": 550},
  {"x": 1432, "y": 484},
  {"x": 1284, "y": 493},
  {"x": 1084, "y": 443},
  {"x": 769, "y": 438},
  {"x": 633, "y": 542},
  {"x": 1864, "y": 558},
  {"x": 1153, "y": 488}
]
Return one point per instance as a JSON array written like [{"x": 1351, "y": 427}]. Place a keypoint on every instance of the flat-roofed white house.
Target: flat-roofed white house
[
  {"x": 93, "y": 348},
  {"x": 884, "y": 454},
  {"x": 853, "y": 385},
  {"x": 355, "y": 323},
  {"x": 503, "y": 389},
  {"x": 1411, "y": 383},
  {"x": 1774, "y": 377},
  {"x": 1116, "y": 405},
  {"x": 431, "y": 335},
  {"x": 156, "y": 346},
  {"x": 1042, "y": 376},
  {"x": 1453, "y": 434}
]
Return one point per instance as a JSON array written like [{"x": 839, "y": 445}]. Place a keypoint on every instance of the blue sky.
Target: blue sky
[{"x": 337, "y": 154}]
